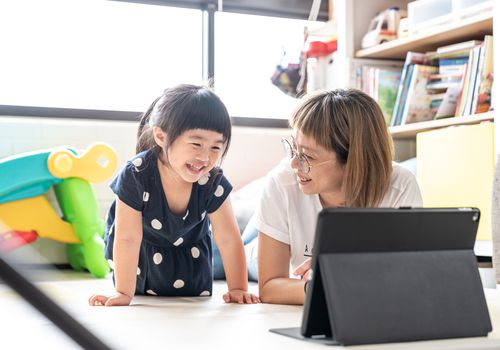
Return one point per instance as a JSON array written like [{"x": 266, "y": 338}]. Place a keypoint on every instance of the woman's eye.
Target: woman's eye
[
  {"x": 216, "y": 149},
  {"x": 196, "y": 145}
]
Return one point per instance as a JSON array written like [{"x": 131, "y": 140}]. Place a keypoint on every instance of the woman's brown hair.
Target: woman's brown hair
[{"x": 351, "y": 124}]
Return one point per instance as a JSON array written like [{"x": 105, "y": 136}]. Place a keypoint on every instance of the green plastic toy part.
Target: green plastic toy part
[{"x": 79, "y": 206}]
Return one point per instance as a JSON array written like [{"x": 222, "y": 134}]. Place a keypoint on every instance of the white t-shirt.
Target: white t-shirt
[{"x": 288, "y": 215}]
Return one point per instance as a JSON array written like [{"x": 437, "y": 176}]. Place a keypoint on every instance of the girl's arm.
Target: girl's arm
[
  {"x": 228, "y": 239},
  {"x": 275, "y": 285},
  {"x": 128, "y": 237}
]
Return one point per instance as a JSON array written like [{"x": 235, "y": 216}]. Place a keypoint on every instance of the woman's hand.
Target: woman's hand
[
  {"x": 117, "y": 299},
  {"x": 241, "y": 297},
  {"x": 304, "y": 270}
]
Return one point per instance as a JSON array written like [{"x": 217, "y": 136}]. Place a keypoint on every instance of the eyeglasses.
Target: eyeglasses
[{"x": 304, "y": 164}]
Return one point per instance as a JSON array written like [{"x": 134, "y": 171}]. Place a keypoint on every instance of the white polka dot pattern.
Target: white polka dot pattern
[
  {"x": 150, "y": 292},
  {"x": 203, "y": 215},
  {"x": 219, "y": 191},
  {"x": 195, "y": 252},
  {"x": 137, "y": 161},
  {"x": 178, "y": 284},
  {"x": 179, "y": 242},
  {"x": 111, "y": 264},
  {"x": 204, "y": 179},
  {"x": 145, "y": 196},
  {"x": 185, "y": 216},
  {"x": 138, "y": 271},
  {"x": 205, "y": 293},
  {"x": 157, "y": 258},
  {"x": 156, "y": 224}
]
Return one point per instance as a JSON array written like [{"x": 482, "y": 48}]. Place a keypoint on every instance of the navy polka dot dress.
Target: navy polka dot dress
[{"x": 175, "y": 256}]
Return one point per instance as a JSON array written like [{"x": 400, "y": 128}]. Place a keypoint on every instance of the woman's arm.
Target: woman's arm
[
  {"x": 227, "y": 237},
  {"x": 275, "y": 285},
  {"x": 127, "y": 241}
]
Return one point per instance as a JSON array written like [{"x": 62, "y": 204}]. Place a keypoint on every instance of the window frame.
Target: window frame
[{"x": 275, "y": 8}]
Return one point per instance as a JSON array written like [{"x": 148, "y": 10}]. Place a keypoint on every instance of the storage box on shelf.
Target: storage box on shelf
[{"x": 425, "y": 14}]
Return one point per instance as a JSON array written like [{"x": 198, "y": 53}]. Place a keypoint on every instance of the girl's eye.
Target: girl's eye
[
  {"x": 216, "y": 149},
  {"x": 196, "y": 145}
]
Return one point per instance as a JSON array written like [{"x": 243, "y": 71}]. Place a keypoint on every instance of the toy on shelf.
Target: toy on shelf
[
  {"x": 383, "y": 27},
  {"x": 25, "y": 212}
]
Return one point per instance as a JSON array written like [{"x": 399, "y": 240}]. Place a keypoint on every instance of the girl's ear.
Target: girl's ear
[{"x": 159, "y": 136}]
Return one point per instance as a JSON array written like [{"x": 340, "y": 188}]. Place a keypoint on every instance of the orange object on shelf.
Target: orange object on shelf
[{"x": 321, "y": 48}]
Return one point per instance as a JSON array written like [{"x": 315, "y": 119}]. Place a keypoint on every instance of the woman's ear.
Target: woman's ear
[{"x": 159, "y": 136}]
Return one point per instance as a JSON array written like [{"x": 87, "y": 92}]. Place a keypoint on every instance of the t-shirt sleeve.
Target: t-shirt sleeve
[
  {"x": 271, "y": 215},
  {"x": 128, "y": 187},
  {"x": 410, "y": 195},
  {"x": 218, "y": 192}
]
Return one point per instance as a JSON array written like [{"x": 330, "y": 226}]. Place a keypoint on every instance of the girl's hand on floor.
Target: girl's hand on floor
[
  {"x": 117, "y": 299},
  {"x": 241, "y": 297}
]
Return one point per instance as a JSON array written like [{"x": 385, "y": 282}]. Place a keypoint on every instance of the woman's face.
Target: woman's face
[
  {"x": 194, "y": 153},
  {"x": 326, "y": 174}
]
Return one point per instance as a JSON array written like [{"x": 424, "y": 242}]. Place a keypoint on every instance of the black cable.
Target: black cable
[{"x": 49, "y": 308}]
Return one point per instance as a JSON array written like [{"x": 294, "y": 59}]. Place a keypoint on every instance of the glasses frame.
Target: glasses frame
[{"x": 291, "y": 152}]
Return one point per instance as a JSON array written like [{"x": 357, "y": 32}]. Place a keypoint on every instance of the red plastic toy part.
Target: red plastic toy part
[{"x": 14, "y": 239}]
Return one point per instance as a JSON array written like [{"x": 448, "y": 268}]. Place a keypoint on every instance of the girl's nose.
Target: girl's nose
[{"x": 203, "y": 156}]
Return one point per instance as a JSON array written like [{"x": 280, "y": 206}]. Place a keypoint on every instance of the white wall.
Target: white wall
[{"x": 253, "y": 152}]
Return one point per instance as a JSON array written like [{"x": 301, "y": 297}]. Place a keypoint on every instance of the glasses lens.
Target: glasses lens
[
  {"x": 287, "y": 147},
  {"x": 303, "y": 163}
]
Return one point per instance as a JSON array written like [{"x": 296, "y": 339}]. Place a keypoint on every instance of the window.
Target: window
[
  {"x": 247, "y": 50},
  {"x": 89, "y": 54},
  {"x": 85, "y": 58}
]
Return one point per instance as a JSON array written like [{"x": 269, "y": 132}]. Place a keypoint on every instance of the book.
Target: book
[
  {"x": 401, "y": 98},
  {"x": 486, "y": 78},
  {"x": 458, "y": 46},
  {"x": 418, "y": 101},
  {"x": 386, "y": 90},
  {"x": 449, "y": 103},
  {"x": 473, "y": 81},
  {"x": 379, "y": 79},
  {"x": 411, "y": 59},
  {"x": 435, "y": 102}
]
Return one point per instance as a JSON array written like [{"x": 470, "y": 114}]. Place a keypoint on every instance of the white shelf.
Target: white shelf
[
  {"x": 409, "y": 131},
  {"x": 471, "y": 28}
]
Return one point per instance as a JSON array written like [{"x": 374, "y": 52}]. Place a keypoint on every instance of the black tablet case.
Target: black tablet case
[{"x": 393, "y": 275}]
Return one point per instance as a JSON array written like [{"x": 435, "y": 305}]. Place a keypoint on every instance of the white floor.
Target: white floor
[{"x": 176, "y": 323}]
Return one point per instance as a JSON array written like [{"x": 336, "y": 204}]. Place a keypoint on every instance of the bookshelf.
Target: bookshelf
[{"x": 353, "y": 17}]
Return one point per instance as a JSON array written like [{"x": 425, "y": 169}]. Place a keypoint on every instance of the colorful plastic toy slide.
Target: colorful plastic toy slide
[{"x": 25, "y": 212}]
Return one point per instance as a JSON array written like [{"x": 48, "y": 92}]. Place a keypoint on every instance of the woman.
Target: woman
[{"x": 341, "y": 156}]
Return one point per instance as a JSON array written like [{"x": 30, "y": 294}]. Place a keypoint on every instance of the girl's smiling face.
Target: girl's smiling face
[{"x": 194, "y": 153}]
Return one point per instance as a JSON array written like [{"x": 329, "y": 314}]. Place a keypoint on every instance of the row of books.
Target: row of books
[{"x": 456, "y": 80}]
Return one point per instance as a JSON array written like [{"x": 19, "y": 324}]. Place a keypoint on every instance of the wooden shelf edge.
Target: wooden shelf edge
[
  {"x": 409, "y": 131},
  {"x": 438, "y": 36}
]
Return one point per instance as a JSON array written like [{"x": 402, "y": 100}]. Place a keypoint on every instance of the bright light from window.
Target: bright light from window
[
  {"x": 95, "y": 54},
  {"x": 247, "y": 50}
]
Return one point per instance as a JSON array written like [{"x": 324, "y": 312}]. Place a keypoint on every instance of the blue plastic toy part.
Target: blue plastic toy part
[{"x": 25, "y": 176}]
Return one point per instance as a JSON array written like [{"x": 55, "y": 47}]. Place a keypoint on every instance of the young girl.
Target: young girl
[
  {"x": 169, "y": 197},
  {"x": 340, "y": 155}
]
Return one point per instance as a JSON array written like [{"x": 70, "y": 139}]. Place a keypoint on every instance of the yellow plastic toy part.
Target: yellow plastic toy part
[
  {"x": 41, "y": 218},
  {"x": 97, "y": 163}
]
